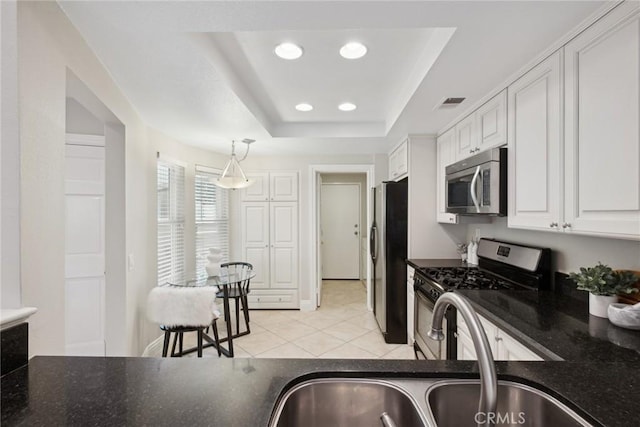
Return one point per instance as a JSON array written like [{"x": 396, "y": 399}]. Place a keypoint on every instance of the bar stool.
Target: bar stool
[
  {"x": 239, "y": 291},
  {"x": 183, "y": 309}
]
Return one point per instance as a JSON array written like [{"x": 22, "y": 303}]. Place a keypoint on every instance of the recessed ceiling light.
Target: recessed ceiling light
[
  {"x": 304, "y": 107},
  {"x": 288, "y": 51},
  {"x": 353, "y": 50},
  {"x": 347, "y": 106}
]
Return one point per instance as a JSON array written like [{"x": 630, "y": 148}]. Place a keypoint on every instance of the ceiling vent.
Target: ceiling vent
[{"x": 448, "y": 103}]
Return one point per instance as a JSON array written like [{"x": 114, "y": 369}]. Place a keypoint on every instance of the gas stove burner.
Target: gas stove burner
[{"x": 451, "y": 278}]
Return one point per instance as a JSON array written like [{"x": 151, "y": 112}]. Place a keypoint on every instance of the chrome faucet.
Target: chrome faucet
[{"x": 488, "y": 379}]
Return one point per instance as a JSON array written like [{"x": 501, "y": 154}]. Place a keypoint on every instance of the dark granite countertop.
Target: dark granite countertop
[
  {"x": 242, "y": 392},
  {"x": 556, "y": 326}
]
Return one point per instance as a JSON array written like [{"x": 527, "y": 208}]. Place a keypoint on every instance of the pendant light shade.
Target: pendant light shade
[{"x": 232, "y": 176}]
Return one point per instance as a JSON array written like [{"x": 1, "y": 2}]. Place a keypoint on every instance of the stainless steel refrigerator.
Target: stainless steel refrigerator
[{"x": 388, "y": 251}]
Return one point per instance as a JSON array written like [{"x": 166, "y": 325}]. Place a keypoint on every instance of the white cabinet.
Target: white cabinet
[
  {"x": 410, "y": 305},
  {"x": 255, "y": 241},
  {"x": 602, "y": 127},
  {"x": 587, "y": 180},
  {"x": 534, "y": 154},
  {"x": 284, "y": 245},
  {"x": 399, "y": 162},
  {"x": 491, "y": 123},
  {"x": 465, "y": 137},
  {"x": 272, "y": 186},
  {"x": 270, "y": 240},
  {"x": 485, "y": 128},
  {"x": 503, "y": 346}
]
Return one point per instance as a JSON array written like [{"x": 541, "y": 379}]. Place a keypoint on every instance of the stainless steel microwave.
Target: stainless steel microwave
[{"x": 478, "y": 185}]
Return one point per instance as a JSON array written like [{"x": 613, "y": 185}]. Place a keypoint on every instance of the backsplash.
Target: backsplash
[{"x": 570, "y": 252}]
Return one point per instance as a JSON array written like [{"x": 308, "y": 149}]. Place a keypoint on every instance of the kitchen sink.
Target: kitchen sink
[
  {"x": 455, "y": 403},
  {"x": 409, "y": 402},
  {"x": 346, "y": 402}
]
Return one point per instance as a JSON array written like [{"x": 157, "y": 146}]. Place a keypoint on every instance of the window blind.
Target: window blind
[
  {"x": 211, "y": 217},
  {"x": 170, "y": 184}
]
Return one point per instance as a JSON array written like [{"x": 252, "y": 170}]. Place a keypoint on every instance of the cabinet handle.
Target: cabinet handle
[
  {"x": 498, "y": 339},
  {"x": 566, "y": 225},
  {"x": 553, "y": 224},
  {"x": 470, "y": 151}
]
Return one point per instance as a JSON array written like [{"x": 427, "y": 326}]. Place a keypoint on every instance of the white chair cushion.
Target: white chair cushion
[{"x": 182, "y": 306}]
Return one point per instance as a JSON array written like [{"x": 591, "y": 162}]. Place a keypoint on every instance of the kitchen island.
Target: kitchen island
[{"x": 242, "y": 392}]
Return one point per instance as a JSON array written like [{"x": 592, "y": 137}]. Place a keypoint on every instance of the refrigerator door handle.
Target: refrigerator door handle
[{"x": 373, "y": 243}]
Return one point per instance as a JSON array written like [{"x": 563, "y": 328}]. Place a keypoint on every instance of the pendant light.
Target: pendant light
[{"x": 232, "y": 176}]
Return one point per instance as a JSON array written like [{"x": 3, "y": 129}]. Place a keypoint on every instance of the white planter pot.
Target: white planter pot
[{"x": 599, "y": 304}]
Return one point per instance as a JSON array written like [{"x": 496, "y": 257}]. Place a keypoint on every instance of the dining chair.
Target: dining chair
[
  {"x": 239, "y": 290},
  {"x": 180, "y": 309}
]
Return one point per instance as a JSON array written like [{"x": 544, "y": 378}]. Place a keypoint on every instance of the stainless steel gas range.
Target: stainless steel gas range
[{"x": 502, "y": 265}]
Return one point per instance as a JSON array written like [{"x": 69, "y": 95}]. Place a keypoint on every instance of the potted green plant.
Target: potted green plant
[{"x": 603, "y": 285}]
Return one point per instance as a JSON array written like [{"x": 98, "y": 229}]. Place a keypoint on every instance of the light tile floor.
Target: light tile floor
[{"x": 342, "y": 328}]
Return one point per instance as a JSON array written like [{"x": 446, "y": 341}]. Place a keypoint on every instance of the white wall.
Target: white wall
[
  {"x": 570, "y": 252},
  {"x": 49, "y": 46},
  {"x": 9, "y": 160},
  {"x": 80, "y": 120},
  {"x": 427, "y": 238}
]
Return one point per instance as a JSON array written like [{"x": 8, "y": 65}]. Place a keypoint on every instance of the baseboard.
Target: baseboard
[
  {"x": 155, "y": 348},
  {"x": 307, "y": 305}
]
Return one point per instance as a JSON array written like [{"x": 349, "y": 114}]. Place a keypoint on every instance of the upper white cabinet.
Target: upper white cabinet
[
  {"x": 483, "y": 129},
  {"x": 399, "y": 162},
  {"x": 272, "y": 186},
  {"x": 587, "y": 180},
  {"x": 602, "y": 127},
  {"x": 534, "y": 154},
  {"x": 491, "y": 123},
  {"x": 465, "y": 137}
]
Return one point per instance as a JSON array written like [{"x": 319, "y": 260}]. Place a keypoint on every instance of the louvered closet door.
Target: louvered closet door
[
  {"x": 284, "y": 245},
  {"x": 255, "y": 240}
]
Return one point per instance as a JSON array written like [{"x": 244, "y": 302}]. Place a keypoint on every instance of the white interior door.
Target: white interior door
[
  {"x": 85, "y": 250},
  {"x": 340, "y": 236}
]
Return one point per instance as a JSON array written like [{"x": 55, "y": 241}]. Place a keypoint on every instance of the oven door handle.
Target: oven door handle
[{"x": 474, "y": 190}]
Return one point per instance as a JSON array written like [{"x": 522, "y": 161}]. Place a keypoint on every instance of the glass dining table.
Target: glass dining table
[{"x": 223, "y": 281}]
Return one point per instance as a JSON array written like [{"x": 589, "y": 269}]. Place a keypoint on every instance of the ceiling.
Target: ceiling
[{"x": 205, "y": 72}]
